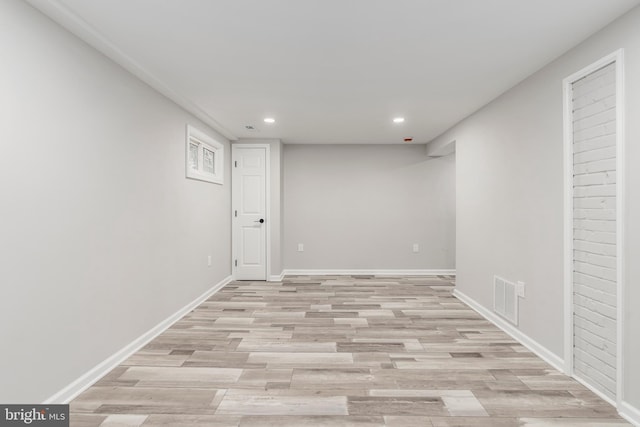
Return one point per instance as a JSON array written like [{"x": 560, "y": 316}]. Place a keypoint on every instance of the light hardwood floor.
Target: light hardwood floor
[{"x": 338, "y": 351}]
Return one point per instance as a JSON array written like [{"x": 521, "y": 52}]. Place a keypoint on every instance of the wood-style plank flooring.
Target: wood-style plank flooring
[{"x": 338, "y": 351}]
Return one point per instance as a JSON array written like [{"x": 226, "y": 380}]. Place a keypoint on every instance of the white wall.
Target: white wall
[
  {"x": 510, "y": 194},
  {"x": 364, "y": 206},
  {"x": 101, "y": 235}
]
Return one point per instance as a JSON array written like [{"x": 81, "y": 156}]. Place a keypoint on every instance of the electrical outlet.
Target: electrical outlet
[
  {"x": 416, "y": 248},
  {"x": 300, "y": 247},
  {"x": 520, "y": 289},
  {"x": 209, "y": 261}
]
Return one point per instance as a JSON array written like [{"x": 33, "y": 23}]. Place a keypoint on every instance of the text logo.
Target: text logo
[{"x": 34, "y": 415}]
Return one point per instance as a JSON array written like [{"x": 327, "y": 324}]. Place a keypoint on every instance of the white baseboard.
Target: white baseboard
[
  {"x": 369, "y": 272},
  {"x": 277, "y": 278},
  {"x": 595, "y": 391},
  {"x": 629, "y": 413},
  {"x": 88, "y": 379},
  {"x": 537, "y": 348}
]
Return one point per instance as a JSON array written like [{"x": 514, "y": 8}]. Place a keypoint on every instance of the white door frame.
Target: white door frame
[
  {"x": 616, "y": 57},
  {"x": 234, "y": 231}
]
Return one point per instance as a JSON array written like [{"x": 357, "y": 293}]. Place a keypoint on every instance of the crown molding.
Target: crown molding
[{"x": 86, "y": 32}]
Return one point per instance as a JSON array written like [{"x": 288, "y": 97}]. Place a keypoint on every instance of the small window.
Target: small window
[{"x": 204, "y": 157}]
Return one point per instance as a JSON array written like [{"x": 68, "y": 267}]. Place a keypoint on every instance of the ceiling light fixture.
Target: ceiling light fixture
[
  {"x": 398, "y": 120},
  {"x": 269, "y": 120}
]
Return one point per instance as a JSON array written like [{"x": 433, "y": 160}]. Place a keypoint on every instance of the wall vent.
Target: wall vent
[{"x": 505, "y": 299}]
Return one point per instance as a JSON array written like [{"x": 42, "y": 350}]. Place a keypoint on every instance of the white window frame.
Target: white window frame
[{"x": 204, "y": 142}]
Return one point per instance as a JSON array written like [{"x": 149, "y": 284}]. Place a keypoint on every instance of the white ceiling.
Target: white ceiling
[{"x": 334, "y": 71}]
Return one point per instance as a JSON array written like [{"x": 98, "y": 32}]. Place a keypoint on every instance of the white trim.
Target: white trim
[
  {"x": 267, "y": 195},
  {"x": 629, "y": 412},
  {"x": 537, "y": 348},
  {"x": 82, "y": 29},
  {"x": 330, "y": 272},
  {"x": 277, "y": 278},
  {"x": 568, "y": 225},
  {"x": 620, "y": 216},
  {"x": 616, "y": 57},
  {"x": 72, "y": 390},
  {"x": 597, "y": 392}
]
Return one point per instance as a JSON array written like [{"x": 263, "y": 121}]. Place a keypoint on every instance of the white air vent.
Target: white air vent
[{"x": 505, "y": 299}]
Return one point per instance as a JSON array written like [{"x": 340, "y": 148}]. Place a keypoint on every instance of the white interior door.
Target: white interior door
[
  {"x": 594, "y": 229},
  {"x": 249, "y": 212},
  {"x": 594, "y": 225}
]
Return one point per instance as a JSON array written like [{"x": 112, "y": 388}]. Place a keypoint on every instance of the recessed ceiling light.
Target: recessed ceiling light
[
  {"x": 269, "y": 120},
  {"x": 398, "y": 120}
]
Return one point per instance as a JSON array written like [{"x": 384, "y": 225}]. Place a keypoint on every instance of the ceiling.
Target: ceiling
[{"x": 333, "y": 71}]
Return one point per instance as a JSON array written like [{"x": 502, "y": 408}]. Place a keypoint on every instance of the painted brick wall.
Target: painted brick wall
[{"x": 594, "y": 239}]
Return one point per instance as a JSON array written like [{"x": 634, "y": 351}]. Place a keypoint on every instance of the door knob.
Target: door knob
[{"x": 260, "y": 221}]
